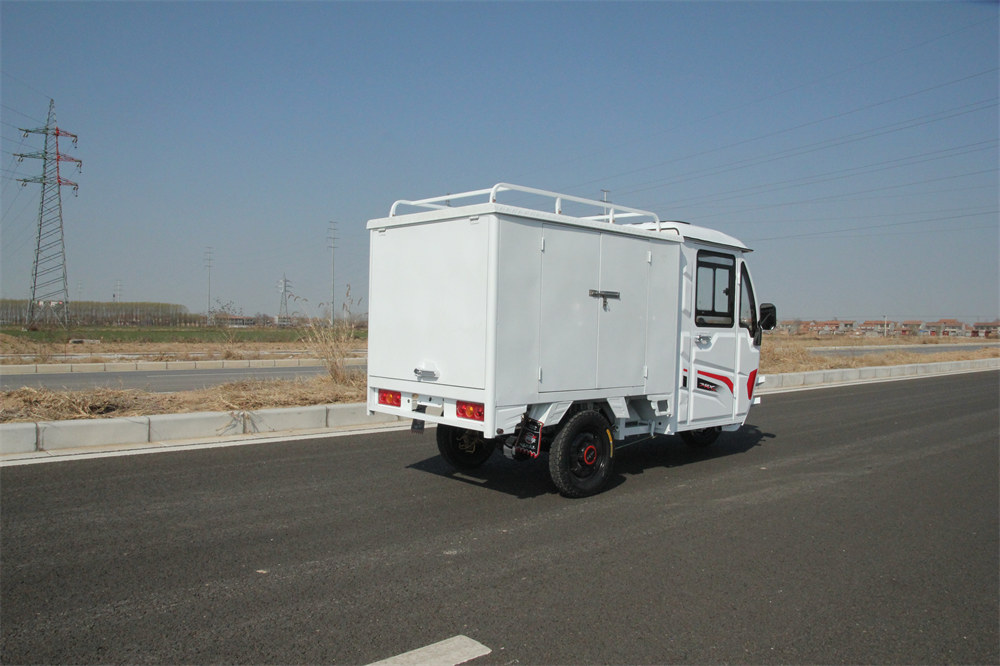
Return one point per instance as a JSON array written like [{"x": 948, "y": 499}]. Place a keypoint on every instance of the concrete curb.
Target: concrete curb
[
  {"x": 167, "y": 429},
  {"x": 827, "y": 378},
  {"x": 25, "y": 438}
]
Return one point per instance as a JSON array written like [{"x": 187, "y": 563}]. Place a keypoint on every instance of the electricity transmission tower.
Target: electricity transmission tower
[
  {"x": 49, "y": 285},
  {"x": 285, "y": 287}
]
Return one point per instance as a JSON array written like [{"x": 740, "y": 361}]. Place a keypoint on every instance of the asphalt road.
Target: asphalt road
[
  {"x": 159, "y": 381},
  {"x": 847, "y": 525}
]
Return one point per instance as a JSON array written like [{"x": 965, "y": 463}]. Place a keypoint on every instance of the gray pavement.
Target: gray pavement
[
  {"x": 159, "y": 381},
  {"x": 845, "y": 525}
]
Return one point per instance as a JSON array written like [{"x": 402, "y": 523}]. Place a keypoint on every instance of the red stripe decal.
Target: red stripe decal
[{"x": 725, "y": 380}]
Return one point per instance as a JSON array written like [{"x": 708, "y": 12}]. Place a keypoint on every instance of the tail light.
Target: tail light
[
  {"x": 474, "y": 411},
  {"x": 390, "y": 398}
]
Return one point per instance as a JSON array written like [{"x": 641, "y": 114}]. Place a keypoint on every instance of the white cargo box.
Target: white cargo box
[{"x": 497, "y": 320}]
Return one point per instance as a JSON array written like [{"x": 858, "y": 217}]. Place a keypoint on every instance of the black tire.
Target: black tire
[
  {"x": 463, "y": 449},
  {"x": 699, "y": 439},
  {"x": 582, "y": 455}
]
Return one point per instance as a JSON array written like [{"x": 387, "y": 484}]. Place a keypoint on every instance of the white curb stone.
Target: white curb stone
[
  {"x": 19, "y": 369},
  {"x": 86, "y": 367},
  {"x": 294, "y": 418},
  {"x": 119, "y": 366},
  {"x": 167, "y": 427},
  {"x": 54, "y": 435},
  {"x": 18, "y": 438}
]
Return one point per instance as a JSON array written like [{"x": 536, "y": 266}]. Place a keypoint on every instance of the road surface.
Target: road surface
[
  {"x": 158, "y": 381},
  {"x": 845, "y": 525}
]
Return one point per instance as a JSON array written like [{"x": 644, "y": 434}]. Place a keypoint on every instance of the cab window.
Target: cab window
[
  {"x": 714, "y": 289},
  {"x": 748, "y": 308}
]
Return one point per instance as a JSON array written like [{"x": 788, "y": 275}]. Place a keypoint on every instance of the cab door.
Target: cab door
[
  {"x": 748, "y": 345},
  {"x": 710, "y": 381}
]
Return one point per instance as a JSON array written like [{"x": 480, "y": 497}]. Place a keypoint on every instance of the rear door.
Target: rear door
[{"x": 428, "y": 302}]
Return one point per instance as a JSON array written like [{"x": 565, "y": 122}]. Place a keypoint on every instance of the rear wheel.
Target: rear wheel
[
  {"x": 699, "y": 439},
  {"x": 581, "y": 457},
  {"x": 463, "y": 449}
]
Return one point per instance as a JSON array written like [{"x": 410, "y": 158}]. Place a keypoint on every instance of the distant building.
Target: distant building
[
  {"x": 913, "y": 327},
  {"x": 986, "y": 329},
  {"x": 878, "y": 327},
  {"x": 832, "y": 327},
  {"x": 947, "y": 328},
  {"x": 790, "y": 326},
  {"x": 234, "y": 321}
]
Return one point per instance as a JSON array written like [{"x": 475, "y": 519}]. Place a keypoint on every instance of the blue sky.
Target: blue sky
[{"x": 852, "y": 145}]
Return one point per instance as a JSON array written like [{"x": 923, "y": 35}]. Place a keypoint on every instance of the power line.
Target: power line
[
  {"x": 836, "y": 175},
  {"x": 849, "y": 194},
  {"x": 827, "y": 232},
  {"x": 25, "y": 84},
  {"x": 22, "y": 113},
  {"x": 775, "y": 133},
  {"x": 738, "y": 107},
  {"x": 919, "y": 121}
]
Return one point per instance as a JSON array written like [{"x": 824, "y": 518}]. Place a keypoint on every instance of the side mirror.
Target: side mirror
[{"x": 768, "y": 316}]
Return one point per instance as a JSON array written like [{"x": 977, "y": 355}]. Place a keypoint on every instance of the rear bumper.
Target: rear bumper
[{"x": 435, "y": 408}]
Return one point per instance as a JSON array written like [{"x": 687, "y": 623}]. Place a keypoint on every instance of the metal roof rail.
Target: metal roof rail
[{"x": 610, "y": 211}]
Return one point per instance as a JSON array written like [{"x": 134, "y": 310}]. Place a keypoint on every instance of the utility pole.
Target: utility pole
[
  {"x": 331, "y": 237},
  {"x": 208, "y": 265},
  {"x": 49, "y": 285}
]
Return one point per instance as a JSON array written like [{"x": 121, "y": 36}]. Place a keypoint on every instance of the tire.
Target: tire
[
  {"x": 463, "y": 449},
  {"x": 699, "y": 439},
  {"x": 582, "y": 455}
]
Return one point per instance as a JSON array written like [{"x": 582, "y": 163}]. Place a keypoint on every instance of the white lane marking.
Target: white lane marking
[{"x": 455, "y": 650}]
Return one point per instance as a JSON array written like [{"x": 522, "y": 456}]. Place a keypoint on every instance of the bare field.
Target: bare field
[
  {"x": 779, "y": 354},
  {"x": 791, "y": 354}
]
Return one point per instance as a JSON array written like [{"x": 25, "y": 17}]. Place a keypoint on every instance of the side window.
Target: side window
[
  {"x": 748, "y": 308},
  {"x": 714, "y": 289}
]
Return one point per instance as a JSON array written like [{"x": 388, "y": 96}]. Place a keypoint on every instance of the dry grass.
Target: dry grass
[
  {"x": 791, "y": 355},
  {"x": 333, "y": 344},
  {"x": 30, "y": 404}
]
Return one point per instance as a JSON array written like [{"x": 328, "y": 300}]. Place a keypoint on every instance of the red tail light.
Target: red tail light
[
  {"x": 470, "y": 410},
  {"x": 390, "y": 398}
]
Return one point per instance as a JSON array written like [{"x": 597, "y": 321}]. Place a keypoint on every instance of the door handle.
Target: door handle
[
  {"x": 605, "y": 295},
  {"x": 703, "y": 339}
]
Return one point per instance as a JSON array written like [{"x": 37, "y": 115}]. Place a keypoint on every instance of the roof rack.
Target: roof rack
[{"x": 610, "y": 212}]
